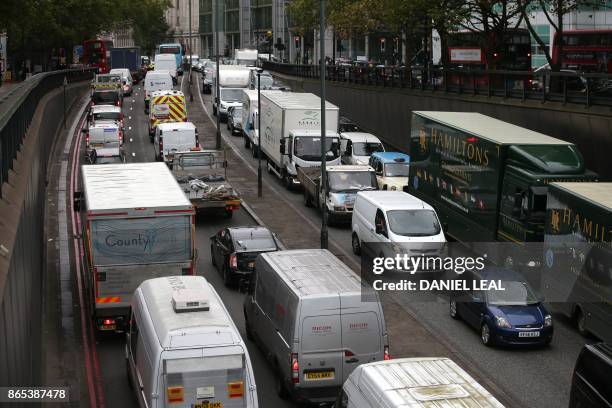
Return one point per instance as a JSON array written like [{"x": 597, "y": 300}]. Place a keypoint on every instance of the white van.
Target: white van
[
  {"x": 413, "y": 382},
  {"x": 393, "y": 217},
  {"x": 305, "y": 310},
  {"x": 357, "y": 147},
  {"x": 156, "y": 81},
  {"x": 102, "y": 135},
  {"x": 167, "y": 62},
  {"x": 184, "y": 350},
  {"x": 174, "y": 137},
  {"x": 126, "y": 79}
]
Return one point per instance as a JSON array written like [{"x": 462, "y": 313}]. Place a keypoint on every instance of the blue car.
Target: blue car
[{"x": 514, "y": 316}]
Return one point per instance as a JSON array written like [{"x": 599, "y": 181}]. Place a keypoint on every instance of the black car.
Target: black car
[
  {"x": 591, "y": 380},
  {"x": 234, "y": 120},
  {"x": 347, "y": 125},
  {"x": 233, "y": 251}
]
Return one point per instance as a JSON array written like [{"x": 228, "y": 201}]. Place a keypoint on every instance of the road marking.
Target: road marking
[{"x": 349, "y": 257}]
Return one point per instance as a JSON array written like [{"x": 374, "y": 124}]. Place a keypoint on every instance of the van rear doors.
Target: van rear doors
[{"x": 204, "y": 382}]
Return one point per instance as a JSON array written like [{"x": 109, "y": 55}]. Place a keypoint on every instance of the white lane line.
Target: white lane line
[{"x": 349, "y": 256}]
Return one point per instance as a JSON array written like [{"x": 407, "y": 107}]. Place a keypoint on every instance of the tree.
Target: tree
[
  {"x": 554, "y": 11},
  {"x": 149, "y": 24}
]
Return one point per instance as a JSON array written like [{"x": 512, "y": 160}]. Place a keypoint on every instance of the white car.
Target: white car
[
  {"x": 356, "y": 147},
  {"x": 126, "y": 79},
  {"x": 392, "y": 170}
]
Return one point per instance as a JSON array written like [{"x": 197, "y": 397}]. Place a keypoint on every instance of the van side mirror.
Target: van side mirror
[
  {"x": 282, "y": 146},
  {"x": 379, "y": 229},
  {"x": 77, "y": 198}
]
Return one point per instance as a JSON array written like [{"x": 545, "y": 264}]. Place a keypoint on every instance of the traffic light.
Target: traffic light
[
  {"x": 296, "y": 39},
  {"x": 382, "y": 45}
]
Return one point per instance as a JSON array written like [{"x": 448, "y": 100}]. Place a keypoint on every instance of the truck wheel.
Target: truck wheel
[
  {"x": 214, "y": 110},
  {"x": 247, "y": 142},
  {"x": 288, "y": 180},
  {"x": 307, "y": 201},
  {"x": 356, "y": 244}
]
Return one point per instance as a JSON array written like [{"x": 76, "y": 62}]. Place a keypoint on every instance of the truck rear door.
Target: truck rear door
[
  {"x": 205, "y": 382},
  {"x": 321, "y": 355},
  {"x": 362, "y": 335}
]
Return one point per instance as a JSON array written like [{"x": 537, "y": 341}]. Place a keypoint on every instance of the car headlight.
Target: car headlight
[
  {"x": 502, "y": 322},
  {"x": 547, "y": 321}
]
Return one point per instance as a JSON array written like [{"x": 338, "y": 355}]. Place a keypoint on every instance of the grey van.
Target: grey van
[{"x": 306, "y": 312}]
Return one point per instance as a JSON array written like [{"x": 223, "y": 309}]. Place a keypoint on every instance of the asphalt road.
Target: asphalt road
[
  {"x": 110, "y": 348},
  {"x": 535, "y": 377}
]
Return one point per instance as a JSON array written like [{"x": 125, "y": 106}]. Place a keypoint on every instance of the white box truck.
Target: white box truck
[
  {"x": 137, "y": 224},
  {"x": 246, "y": 57},
  {"x": 291, "y": 133},
  {"x": 232, "y": 81}
]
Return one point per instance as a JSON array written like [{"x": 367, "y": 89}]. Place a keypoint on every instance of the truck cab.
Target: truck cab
[
  {"x": 302, "y": 148},
  {"x": 232, "y": 81}
]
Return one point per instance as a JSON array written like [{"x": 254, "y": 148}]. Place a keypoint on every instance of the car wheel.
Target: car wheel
[
  {"x": 212, "y": 256},
  {"x": 288, "y": 182},
  {"x": 485, "y": 335},
  {"x": 580, "y": 320},
  {"x": 453, "y": 309},
  {"x": 227, "y": 277},
  {"x": 281, "y": 388},
  {"x": 356, "y": 244}
]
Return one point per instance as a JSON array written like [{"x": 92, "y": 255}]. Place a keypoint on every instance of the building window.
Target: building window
[
  {"x": 538, "y": 53},
  {"x": 178, "y": 4}
]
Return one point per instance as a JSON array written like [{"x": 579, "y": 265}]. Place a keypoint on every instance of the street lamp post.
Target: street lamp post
[
  {"x": 324, "y": 234},
  {"x": 218, "y": 135},
  {"x": 259, "y": 175},
  {"x": 190, "y": 55}
]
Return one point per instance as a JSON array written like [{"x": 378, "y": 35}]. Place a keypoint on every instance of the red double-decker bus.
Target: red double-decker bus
[
  {"x": 585, "y": 50},
  {"x": 466, "y": 50},
  {"x": 96, "y": 53}
]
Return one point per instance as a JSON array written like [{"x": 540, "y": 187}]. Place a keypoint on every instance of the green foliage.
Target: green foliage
[{"x": 36, "y": 27}]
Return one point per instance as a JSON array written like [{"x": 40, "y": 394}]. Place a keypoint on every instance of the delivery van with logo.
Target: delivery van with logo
[
  {"x": 155, "y": 81},
  {"x": 137, "y": 224},
  {"x": 184, "y": 351},
  {"x": 166, "y": 106},
  {"x": 306, "y": 311}
]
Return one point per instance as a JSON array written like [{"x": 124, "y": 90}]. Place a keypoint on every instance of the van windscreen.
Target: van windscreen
[
  {"x": 220, "y": 380},
  {"x": 413, "y": 223}
]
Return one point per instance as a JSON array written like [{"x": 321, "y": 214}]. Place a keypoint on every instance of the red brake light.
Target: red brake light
[
  {"x": 387, "y": 356},
  {"x": 348, "y": 353},
  {"x": 87, "y": 138},
  {"x": 108, "y": 321},
  {"x": 471, "y": 139},
  {"x": 120, "y": 137},
  {"x": 295, "y": 368},
  {"x": 233, "y": 261}
]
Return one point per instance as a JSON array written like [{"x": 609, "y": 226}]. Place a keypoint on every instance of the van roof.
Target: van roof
[
  {"x": 598, "y": 193},
  {"x": 360, "y": 137},
  {"x": 394, "y": 200},
  {"x": 158, "y": 74},
  {"x": 350, "y": 167},
  {"x": 311, "y": 272},
  {"x": 213, "y": 327},
  {"x": 167, "y": 92},
  {"x": 105, "y": 108},
  {"x": 390, "y": 157},
  {"x": 131, "y": 185},
  {"x": 176, "y": 125},
  {"x": 489, "y": 128},
  {"x": 296, "y": 100},
  {"x": 420, "y": 382}
]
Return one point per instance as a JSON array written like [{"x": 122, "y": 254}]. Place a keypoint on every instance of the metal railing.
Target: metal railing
[
  {"x": 17, "y": 108},
  {"x": 565, "y": 87}
]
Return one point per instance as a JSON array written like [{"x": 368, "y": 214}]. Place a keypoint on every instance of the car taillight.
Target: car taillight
[
  {"x": 233, "y": 261},
  {"x": 295, "y": 368},
  {"x": 161, "y": 144},
  {"x": 108, "y": 321},
  {"x": 120, "y": 137},
  {"x": 387, "y": 356},
  {"x": 87, "y": 139},
  {"x": 348, "y": 353},
  {"x": 117, "y": 103}
]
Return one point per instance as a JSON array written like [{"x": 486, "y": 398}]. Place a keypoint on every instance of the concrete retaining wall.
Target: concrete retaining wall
[{"x": 386, "y": 113}]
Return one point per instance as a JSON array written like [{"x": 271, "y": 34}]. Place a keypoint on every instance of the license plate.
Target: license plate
[
  {"x": 108, "y": 327},
  {"x": 529, "y": 334},
  {"x": 208, "y": 404},
  {"x": 320, "y": 375},
  {"x": 251, "y": 264},
  {"x": 97, "y": 144}
]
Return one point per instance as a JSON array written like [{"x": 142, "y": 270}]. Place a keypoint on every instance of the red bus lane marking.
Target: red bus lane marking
[{"x": 96, "y": 392}]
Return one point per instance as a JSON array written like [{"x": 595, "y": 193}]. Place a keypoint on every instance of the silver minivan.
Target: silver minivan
[{"x": 306, "y": 312}]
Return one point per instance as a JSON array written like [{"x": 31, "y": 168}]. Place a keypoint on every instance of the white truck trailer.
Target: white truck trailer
[
  {"x": 291, "y": 133},
  {"x": 232, "y": 81},
  {"x": 137, "y": 225},
  {"x": 246, "y": 57}
]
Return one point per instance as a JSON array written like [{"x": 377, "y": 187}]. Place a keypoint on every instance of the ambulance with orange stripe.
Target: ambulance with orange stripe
[
  {"x": 166, "y": 106},
  {"x": 137, "y": 224},
  {"x": 183, "y": 349}
]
